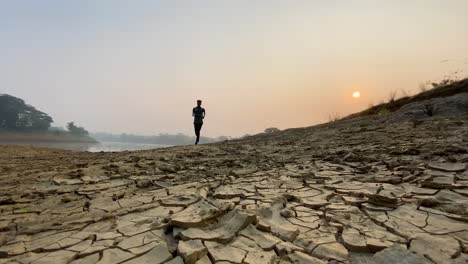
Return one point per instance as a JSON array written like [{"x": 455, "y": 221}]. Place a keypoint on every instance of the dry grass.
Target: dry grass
[
  {"x": 392, "y": 96},
  {"x": 333, "y": 117},
  {"x": 404, "y": 93},
  {"x": 423, "y": 87},
  {"x": 446, "y": 87}
]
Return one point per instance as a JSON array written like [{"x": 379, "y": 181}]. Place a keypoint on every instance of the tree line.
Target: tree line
[{"x": 17, "y": 116}]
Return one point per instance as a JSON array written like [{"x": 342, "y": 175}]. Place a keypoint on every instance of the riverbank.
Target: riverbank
[
  {"x": 90, "y": 147},
  {"x": 62, "y": 137}
]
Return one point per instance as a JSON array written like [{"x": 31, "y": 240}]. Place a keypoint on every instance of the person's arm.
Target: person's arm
[
  {"x": 193, "y": 112},
  {"x": 204, "y": 113}
]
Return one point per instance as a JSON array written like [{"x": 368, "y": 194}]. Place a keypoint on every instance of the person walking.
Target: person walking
[{"x": 198, "y": 114}]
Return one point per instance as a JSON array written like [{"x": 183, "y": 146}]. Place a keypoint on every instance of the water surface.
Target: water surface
[{"x": 91, "y": 147}]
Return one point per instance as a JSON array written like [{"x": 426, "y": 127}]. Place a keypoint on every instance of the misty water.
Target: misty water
[{"x": 91, "y": 147}]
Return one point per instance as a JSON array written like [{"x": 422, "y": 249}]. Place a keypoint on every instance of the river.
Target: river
[{"x": 91, "y": 147}]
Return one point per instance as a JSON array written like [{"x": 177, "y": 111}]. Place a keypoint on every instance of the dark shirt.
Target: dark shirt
[{"x": 198, "y": 113}]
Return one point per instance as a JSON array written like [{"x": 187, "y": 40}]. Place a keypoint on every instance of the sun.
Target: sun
[{"x": 357, "y": 94}]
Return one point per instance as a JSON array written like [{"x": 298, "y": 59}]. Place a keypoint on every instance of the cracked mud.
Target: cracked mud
[{"x": 357, "y": 191}]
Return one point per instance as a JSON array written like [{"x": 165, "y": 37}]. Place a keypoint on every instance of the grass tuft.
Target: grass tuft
[
  {"x": 448, "y": 86},
  {"x": 333, "y": 117}
]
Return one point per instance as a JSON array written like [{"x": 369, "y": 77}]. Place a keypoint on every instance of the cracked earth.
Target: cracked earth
[{"x": 357, "y": 191}]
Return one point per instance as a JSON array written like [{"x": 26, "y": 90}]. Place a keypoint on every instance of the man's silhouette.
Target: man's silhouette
[{"x": 198, "y": 113}]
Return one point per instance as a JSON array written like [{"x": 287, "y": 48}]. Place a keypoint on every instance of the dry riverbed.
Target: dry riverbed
[{"x": 358, "y": 191}]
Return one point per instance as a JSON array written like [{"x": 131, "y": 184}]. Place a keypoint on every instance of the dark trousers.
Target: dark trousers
[{"x": 197, "y": 127}]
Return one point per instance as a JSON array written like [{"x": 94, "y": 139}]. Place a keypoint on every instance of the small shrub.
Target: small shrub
[
  {"x": 271, "y": 130},
  {"x": 383, "y": 111},
  {"x": 405, "y": 93},
  {"x": 392, "y": 96},
  {"x": 333, "y": 117},
  {"x": 447, "y": 80}
]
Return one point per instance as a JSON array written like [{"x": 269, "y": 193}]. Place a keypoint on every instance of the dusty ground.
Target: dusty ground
[{"x": 333, "y": 193}]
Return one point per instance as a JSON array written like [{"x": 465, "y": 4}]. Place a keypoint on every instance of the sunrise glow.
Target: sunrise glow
[{"x": 356, "y": 94}]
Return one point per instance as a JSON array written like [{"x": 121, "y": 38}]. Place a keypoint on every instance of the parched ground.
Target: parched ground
[{"x": 359, "y": 191}]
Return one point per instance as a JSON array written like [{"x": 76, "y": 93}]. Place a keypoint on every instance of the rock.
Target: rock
[
  {"x": 191, "y": 250},
  {"x": 447, "y": 201},
  {"x": 440, "y": 225},
  {"x": 375, "y": 245},
  {"x": 138, "y": 240},
  {"x": 410, "y": 214},
  {"x": 302, "y": 258},
  {"x": 355, "y": 201},
  {"x": 91, "y": 259},
  {"x": 463, "y": 258},
  {"x": 221, "y": 252},
  {"x": 228, "y": 192},
  {"x": 440, "y": 249},
  {"x": 287, "y": 213},
  {"x": 398, "y": 255},
  {"x": 455, "y": 105},
  {"x": 270, "y": 220},
  {"x": 114, "y": 255},
  {"x": 143, "y": 249},
  {"x": 315, "y": 202},
  {"x": 384, "y": 199},
  {"x": 264, "y": 240},
  {"x": 245, "y": 244},
  {"x": 330, "y": 251},
  {"x": 228, "y": 227},
  {"x": 287, "y": 248},
  {"x": 449, "y": 167},
  {"x": 66, "y": 181},
  {"x": 159, "y": 254},
  {"x": 264, "y": 257},
  {"x": 176, "y": 260},
  {"x": 439, "y": 182},
  {"x": 195, "y": 215},
  {"x": 204, "y": 260},
  {"x": 354, "y": 241},
  {"x": 180, "y": 200}
]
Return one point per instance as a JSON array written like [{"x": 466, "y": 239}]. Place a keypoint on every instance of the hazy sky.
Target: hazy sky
[{"x": 139, "y": 66}]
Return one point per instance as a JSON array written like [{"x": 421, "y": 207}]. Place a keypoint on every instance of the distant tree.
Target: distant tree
[
  {"x": 271, "y": 130},
  {"x": 16, "y": 115},
  {"x": 56, "y": 128},
  {"x": 76, "y": 130}
]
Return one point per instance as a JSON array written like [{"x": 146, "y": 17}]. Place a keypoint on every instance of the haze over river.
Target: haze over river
[{"x": 91, "y": 147}]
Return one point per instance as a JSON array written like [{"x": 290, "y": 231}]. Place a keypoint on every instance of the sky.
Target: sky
[{"x": 139, "y": 66}]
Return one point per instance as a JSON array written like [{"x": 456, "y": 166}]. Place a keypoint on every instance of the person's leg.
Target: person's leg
[
  {"x": 199, "y": 129},
  {"x": 197, "y": 132}
]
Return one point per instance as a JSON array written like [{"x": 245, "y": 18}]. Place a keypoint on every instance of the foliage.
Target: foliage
[
  {"x": 16, "y": 115},
  {"x": 271, "y": 130},
  {"x": 76, "y": 130}
]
